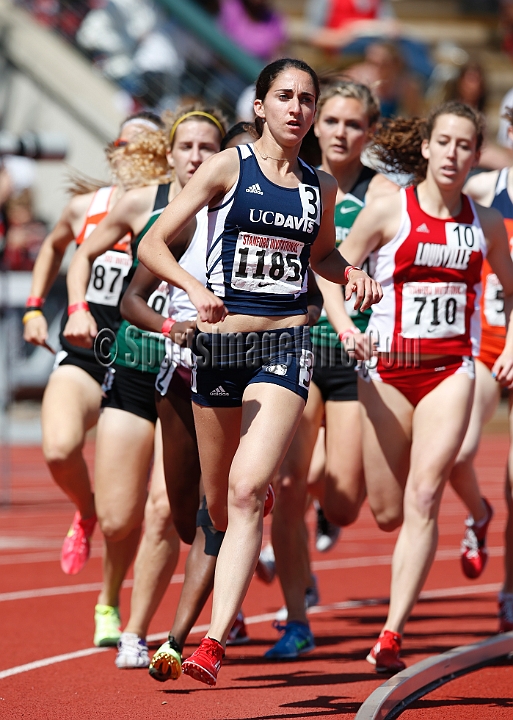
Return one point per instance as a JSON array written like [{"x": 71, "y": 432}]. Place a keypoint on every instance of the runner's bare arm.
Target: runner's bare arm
[
  {"x": 134, "y": 305},
  {"x": 49, "y": 261},
  {"x": 326, "y": 260},
  {"x": 481, "y": 187},
  {"x": 207, "y": 186}
]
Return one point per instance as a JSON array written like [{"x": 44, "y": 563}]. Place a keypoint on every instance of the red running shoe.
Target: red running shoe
[
  {"x": 385, "y": 653},
  {"x": 76, "y": 546},
  {"x": 205, "y": 662},
  {"x": 474, "y": 554},
  {"x": 505, "y": 612},
  {"x": 270, "y": 497}
]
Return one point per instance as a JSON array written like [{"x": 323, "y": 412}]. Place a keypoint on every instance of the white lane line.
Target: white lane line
[
  {"x": 49, "y": 661},
  {"x": 68, "y": 590},
  {"x": 266, "y": 617},
  {"x": 370, "y": 561}
]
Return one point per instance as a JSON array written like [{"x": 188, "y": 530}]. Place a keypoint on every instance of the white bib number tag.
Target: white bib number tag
[
  {"x": 433, "y": 310},
  {"x": 107, "y": 275},
  {"x": 159, "y": 299},
  {"x": 266, "y": 264},
  {"x": 494, "y": 302},
  {"x": 463, "y": 237}
]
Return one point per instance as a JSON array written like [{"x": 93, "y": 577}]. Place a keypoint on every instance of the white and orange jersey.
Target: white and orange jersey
[
  {"x": 110, "y": 268},
  {"x": 493, "y": 319},
  {"x": 431, "y": 277}
]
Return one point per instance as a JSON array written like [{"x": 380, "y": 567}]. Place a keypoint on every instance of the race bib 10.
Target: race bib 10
[
  {"x": 433, "y": 310},
  {"x": 267, "y": 264}
]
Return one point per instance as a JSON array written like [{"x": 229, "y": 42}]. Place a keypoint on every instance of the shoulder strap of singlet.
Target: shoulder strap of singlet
[
  {"x": 502, "y": 181},
  {"x": 99, "y": 204},
  {"x": 161, "y": 198},
  {"x": 359, "y": 189}
]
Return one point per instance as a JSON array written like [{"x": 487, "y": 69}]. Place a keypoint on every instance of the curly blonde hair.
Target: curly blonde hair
[{"x": 143, "y": 161}]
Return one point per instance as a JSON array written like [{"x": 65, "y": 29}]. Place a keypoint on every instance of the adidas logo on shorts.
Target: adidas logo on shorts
[
  {"x": 220, "y": 392},
  {"x": 423, "y": 228},
  {"x": 255, "y": 189}
]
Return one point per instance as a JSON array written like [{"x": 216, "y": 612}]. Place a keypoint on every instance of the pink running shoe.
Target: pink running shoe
[
  {"x": 205, "y": 662},
  {"x": 270, "y": 497},
  {"x": 474, "y": 554},
  {"x": 385, "y": 653},
  {"x": 76, "y": 546}
]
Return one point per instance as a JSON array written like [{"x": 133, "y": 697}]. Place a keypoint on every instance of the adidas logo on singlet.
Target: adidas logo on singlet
[
  {"x": 220, "y": 392},
  {"x": 422, "y": 228},
  {"x": 255, "y": 189}
]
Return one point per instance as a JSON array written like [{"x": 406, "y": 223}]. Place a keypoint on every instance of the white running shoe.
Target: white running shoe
[{"x": 132, "y": 652}]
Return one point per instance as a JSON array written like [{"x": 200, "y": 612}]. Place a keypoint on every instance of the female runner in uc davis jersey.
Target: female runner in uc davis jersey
[
  {"x": 72, "y": 397},
  {"x": 428, "y": 244},
  {"x": 346, "y": 116},
  {"x": 126, "y": 429},
  {"x": 492, "y": 189},
  {"x": 269, "y": 215}
]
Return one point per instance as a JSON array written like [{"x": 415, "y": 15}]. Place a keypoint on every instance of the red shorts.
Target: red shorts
[{"x": 416, "y": 382}]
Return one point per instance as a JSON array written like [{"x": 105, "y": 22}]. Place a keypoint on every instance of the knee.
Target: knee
[
  {"x": 58, "y": 451},
  {"x": 291, "y": 492},
  {"x": 116, "y": 528},
  {"x": 422, "y": 500}
]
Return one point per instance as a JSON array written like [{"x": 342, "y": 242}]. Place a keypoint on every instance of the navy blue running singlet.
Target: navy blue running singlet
[{"x": 259, "y": 241}]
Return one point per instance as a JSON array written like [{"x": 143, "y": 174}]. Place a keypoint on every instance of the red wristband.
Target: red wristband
[
  {"x": 167, "y": 325},
  {"x": 35, "y": 302},
  {"x": 77, "y": 306},
  {"x": 346, "y": 334},
  {"x": 348, "y": 270}
]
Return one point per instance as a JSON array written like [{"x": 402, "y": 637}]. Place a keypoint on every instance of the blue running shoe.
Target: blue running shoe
[{"x": 297, "y": 639}]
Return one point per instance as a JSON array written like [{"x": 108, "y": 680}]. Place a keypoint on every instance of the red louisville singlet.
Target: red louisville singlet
[{"x": 431, "y": 274}]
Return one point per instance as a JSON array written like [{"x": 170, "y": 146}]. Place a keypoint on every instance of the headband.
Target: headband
[
  {"x": 191, "y": 114},
  {"x": 142, "y": 121}
]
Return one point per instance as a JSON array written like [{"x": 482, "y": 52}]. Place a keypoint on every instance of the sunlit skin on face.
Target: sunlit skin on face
[
  {"x": 451, "y": 150},
  {"x": 342, "y": 129},
  {"x": 289, "y": 107},
  {"x": 194, "y": 142}
]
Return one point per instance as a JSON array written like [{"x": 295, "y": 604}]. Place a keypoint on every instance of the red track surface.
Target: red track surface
[{"x": 40, "y": 622}]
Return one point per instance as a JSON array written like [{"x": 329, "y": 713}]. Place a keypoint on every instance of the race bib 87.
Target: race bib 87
[
  {"x": 107, "y": 275},
  {"x": 433, "y": 310},
  {"x": 267, "y": 264}
]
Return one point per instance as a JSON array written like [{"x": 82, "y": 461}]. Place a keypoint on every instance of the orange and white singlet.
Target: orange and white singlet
[
  {"x": 107, "y": 274},
  {"x": 431, "y": 277},
  {"x": 493, "y": 319}
]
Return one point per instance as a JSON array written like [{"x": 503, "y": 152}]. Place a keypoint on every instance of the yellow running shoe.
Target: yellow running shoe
[
  {"x": 166, "y": 664},
  {"x": 107, "y": 626}
]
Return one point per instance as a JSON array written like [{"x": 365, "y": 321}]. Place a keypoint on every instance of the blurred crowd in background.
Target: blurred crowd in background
[{"x": 138, "y": 45}]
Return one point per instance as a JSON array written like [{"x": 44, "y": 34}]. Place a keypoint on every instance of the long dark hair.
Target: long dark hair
[{"x": 269, "y": 75}]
